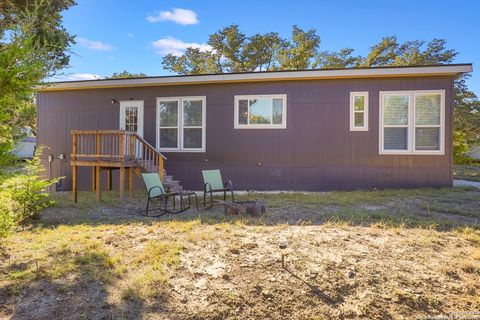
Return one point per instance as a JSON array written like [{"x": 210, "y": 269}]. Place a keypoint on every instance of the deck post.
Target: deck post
[
  {"x": 130, "y": 182},
  {"x": 98, "y": 143},
  {"x": 132, "y": 147},
  {"x": 122, "y": 183},
  {"x": 160, "y": 167},
  {"x": 74, "y": 167},
  {"x": 109, "y": 179},
  {"x": 122, "y": 147},
  {"x": 93, "y": 178},
  {"x": 122, "y": 167},
  {"x": 74, "y": 183},
  {"x": 97, "y": 183}
]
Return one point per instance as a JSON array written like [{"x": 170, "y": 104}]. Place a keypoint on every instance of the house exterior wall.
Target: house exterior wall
[{"x": 315, "y": 152}]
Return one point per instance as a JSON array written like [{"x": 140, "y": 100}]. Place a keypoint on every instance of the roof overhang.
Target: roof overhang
[{"x": 378, "y": 72}]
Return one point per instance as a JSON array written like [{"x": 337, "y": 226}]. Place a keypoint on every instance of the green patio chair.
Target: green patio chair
[
  {"x": 155, "y": 190},
  {"x": 213, "y": 183}
]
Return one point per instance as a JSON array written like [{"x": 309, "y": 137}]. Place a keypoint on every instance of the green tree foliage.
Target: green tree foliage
[
  {"x": 33, "y": 45},
  {"x": 193, "y": 61},
  {"x": 341, "y": 59},
  {"x": 299, "y": 52},
  {"x": 41, "y": 22},
  {"x": 467, "y": 111},
  {"x": 24, "y": 195},
  {"x": 125, "y": 75},
  {"x": 233, "y": 51},
  {"x": 460, "y": 148}
]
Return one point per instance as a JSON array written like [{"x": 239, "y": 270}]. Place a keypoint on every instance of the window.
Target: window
[
  {"x": 358, "y": 111},
  {"x": 261, "y": 112},
  {"x": 412, "y": 122},
  {"x": 181, "y": 124}
]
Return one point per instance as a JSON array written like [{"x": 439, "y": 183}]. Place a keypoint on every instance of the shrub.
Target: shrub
[
  {"x": 460, "y": 148},
  {"x": 6, "y": 221},
  {"x": 24, "y": 195}
]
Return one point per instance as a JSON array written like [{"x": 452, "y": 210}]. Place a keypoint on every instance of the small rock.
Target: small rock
[
  {"x": 272, "y": 279},
  {"x": 184, "y": 300},
  {"x": 234, "y": 251},
  {"x": 225, "y": 277},
  {"x": 267, "y": 294},
  {"x": 351, "y": 274},
  {"x": 200, "y": 284}
]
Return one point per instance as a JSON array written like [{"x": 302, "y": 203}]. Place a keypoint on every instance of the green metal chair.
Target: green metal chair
[
  {"x": 155, "y": 190},
  {"x": 213, "y": 183}
]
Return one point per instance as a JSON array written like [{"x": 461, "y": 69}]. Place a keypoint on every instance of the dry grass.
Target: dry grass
[{"x": 377, "y": 255}]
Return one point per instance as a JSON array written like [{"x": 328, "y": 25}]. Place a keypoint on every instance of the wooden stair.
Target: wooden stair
[{"x": 148, "y": 166}]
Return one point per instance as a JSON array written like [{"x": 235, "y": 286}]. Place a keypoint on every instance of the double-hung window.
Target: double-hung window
[
  {"x": 261, "y": 112},
  {"x": 181, "y": 124},
  {"x": 412, "y": 122},
  {"x": 358, "y": 111}
]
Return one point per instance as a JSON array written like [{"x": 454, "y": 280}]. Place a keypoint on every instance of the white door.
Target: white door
[{"x": 131, "y": 116}]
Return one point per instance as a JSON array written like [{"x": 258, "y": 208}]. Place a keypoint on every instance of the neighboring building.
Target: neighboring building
[
  {"x": 341, "y": 129},
  {"x": 474, "y": 153},
  {"x": 25, "y": 148}
]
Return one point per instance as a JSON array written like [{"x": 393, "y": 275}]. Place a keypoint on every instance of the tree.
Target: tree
[
  {"x": 24, "y": 195},
  {"x": 332, "y": 60},
  {"x": 233, "y": 51},
  {"x": 194, "y": 61},
  {"x": 33, "y": 45},
  {"x": 467, "y": 110},
  {"x": 125, "y": 75},
  {"x": 298, "y": 54},
  {"x": 41, "y": 21}
]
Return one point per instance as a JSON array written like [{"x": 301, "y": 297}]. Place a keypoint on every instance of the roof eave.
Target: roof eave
[{"x": 442, "y": 70}]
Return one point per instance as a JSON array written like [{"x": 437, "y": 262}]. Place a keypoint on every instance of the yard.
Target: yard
[{"x": 388, "y": 254}]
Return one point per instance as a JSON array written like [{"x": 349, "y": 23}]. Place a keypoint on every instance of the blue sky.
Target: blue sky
[{"x": 116, "y": 35}]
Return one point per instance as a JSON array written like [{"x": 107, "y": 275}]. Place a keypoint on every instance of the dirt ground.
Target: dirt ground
[{"x": 358, "y": 255}]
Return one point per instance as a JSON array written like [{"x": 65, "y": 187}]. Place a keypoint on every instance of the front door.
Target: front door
[{"x": 131, "y": 116}]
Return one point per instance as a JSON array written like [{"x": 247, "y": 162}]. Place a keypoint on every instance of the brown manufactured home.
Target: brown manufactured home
[{"x": 336, "y": 129}]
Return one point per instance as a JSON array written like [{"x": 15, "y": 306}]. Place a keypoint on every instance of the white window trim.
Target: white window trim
[
  {"x": 140, "y": 120},
  {"x": 180, "y": 126},
  {"x": 352, "y": 111},
  {"x": 411, "y": 123},
  {"x": 261, "y": 126}
]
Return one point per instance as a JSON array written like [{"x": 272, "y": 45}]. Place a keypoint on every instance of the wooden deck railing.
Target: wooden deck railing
[{"x": 116, "y": 146}]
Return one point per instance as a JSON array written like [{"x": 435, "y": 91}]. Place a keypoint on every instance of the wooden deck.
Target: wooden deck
[{"x": 108, "y": 150}]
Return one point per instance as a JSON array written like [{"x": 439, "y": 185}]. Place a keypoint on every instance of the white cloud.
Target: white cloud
[
  {"x": 177, "y": 47},
  {"x": 76, "y": 77},
  {"x": 177, "y": 15},
  {"x": 129, "y": 34},
  {"x": 93, "y": 45}
]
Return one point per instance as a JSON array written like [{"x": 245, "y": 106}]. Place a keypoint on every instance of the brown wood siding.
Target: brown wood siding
[{"x": 316, "y": 151}]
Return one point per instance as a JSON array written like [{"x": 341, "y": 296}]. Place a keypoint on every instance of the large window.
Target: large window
[
  {"x": 358, "y": 111},
  {"x": 412, "y": 122},
  {"x": 261, "y": 112},
  {"x": 181, "y": 124}
]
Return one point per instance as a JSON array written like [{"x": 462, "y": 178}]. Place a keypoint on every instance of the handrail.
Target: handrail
[
  {"x": 150, "y": 146},
  {"x": 116, "y": 145},
  {"x": 102, "y": 132}
]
